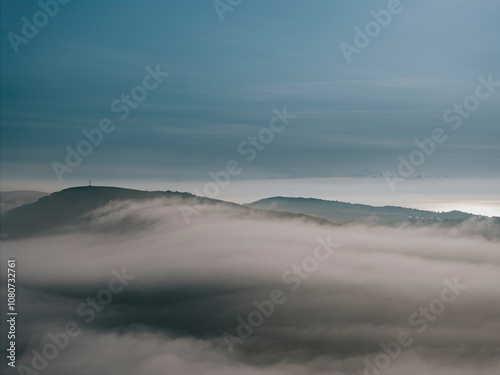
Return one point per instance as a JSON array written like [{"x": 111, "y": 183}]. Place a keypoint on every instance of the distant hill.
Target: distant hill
[
  {"x": 13, "y": 199},
  {"x": 70, "y": 207},
  {"x": 343, "y": 213}
]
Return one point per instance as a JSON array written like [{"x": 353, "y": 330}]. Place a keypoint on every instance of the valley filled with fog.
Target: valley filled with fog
[{"x": 192, "y": 270}]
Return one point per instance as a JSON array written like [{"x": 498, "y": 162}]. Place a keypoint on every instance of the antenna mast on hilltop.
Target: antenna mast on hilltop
[{"x": 89, "y": 184}]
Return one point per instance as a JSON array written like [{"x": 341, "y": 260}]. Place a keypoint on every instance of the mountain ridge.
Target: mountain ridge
[
  {"x": 72, "y": 206},
  {"x": 344, "y": 212}
]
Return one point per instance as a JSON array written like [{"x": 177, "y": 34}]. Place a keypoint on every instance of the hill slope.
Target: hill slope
[
  {"x": 342, "y": 213},
  {"x": 71, "y": 207},
  {"x": 13, "y": 199}
]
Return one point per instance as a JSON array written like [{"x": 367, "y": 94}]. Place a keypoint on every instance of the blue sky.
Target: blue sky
[{"x": 227, "y": 77}]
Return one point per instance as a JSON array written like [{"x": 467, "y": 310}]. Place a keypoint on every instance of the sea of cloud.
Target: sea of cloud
[{"x": 192, "y": 281}]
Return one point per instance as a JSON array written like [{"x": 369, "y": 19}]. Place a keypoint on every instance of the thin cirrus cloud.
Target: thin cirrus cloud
[{"x": 64, "y": 80}]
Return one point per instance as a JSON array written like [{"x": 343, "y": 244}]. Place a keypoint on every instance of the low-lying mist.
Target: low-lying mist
[{"x": 340, "y": 292}]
